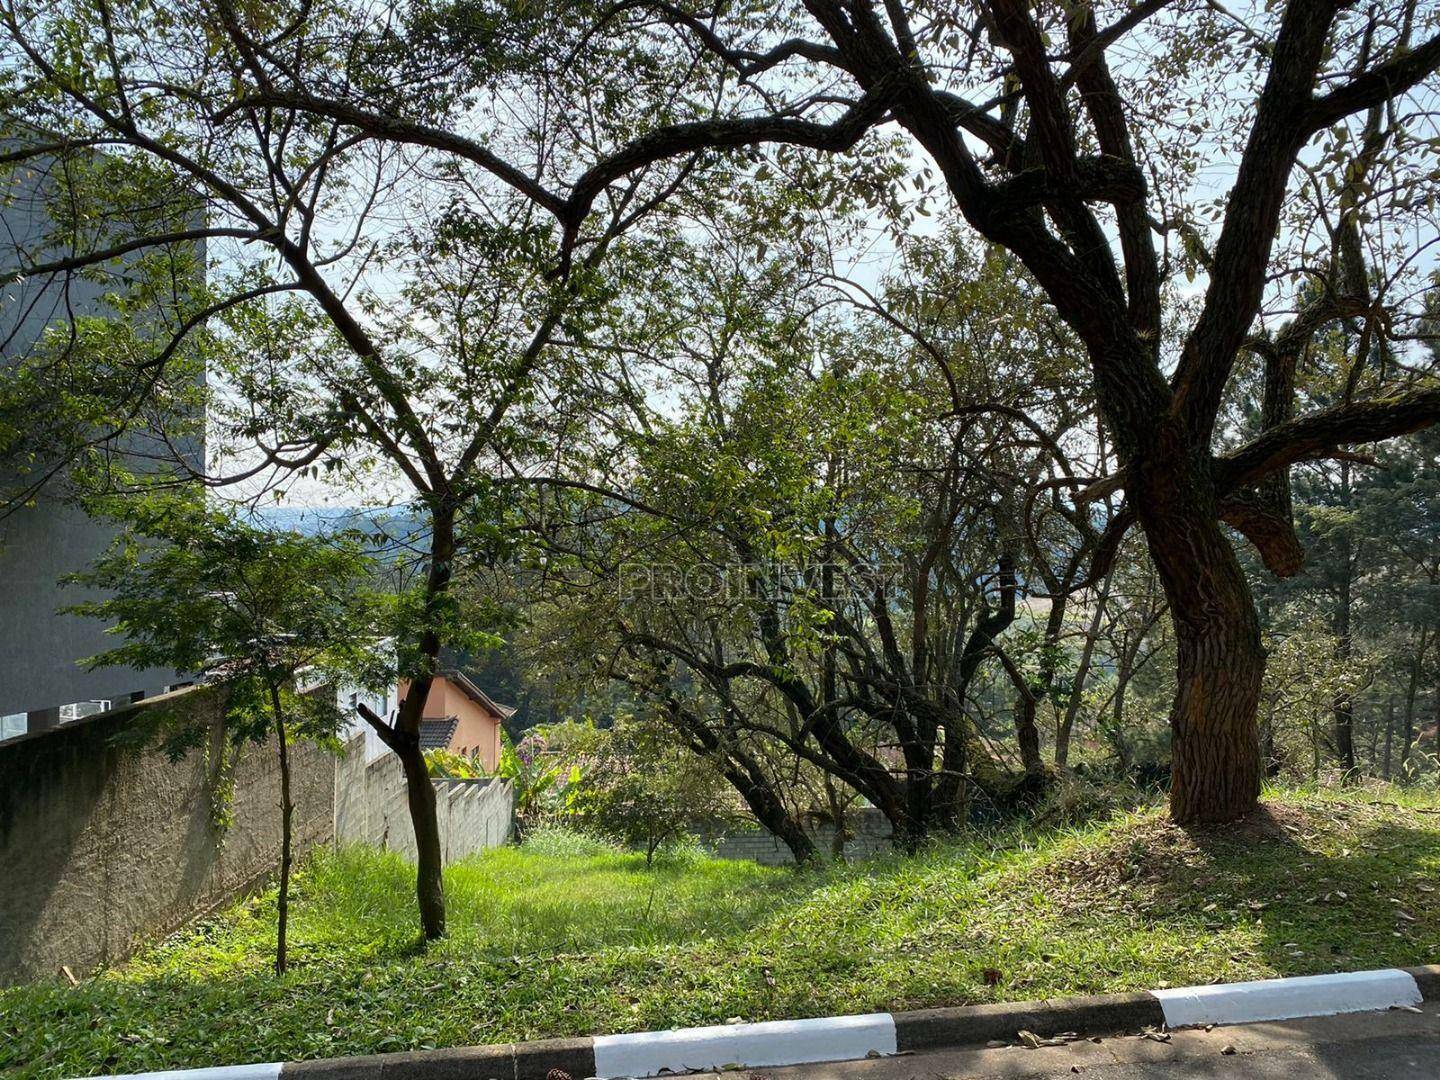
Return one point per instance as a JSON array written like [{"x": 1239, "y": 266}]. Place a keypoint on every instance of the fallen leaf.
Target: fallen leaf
[{"x": 1034, "y": 1042}]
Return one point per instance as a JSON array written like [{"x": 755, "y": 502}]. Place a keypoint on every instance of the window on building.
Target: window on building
[
  {"x": 78, "y": 710},
  {"x": 13, "y": 724}
]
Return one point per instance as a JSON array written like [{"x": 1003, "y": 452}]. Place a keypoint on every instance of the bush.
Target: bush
[
  {"x": 1076, "y": 799},
  {"x": 559, "y": 842},
  {"x": 540, "y": 777},
  {"x": 644, "y": 789},
  {"x": 448, "y": 765},
  {"x": 683, "y": 851}
]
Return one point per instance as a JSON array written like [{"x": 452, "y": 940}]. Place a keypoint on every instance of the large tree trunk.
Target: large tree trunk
[{"x": 1220, "y": 661}]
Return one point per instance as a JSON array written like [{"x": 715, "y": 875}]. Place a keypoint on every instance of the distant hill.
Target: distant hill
[{"x": 392, "y": 526}]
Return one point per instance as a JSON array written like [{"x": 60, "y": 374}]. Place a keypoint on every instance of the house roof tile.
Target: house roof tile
[{"x": 436, "y": 734}]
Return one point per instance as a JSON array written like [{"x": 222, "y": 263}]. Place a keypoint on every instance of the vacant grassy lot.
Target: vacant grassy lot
[{"x": 570, "y": 943}]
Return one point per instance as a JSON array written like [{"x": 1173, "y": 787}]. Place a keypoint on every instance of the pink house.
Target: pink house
[{"x": 462, "y": 718}]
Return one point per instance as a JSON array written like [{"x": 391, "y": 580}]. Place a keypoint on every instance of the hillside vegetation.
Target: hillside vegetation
[{"x": 564, "y": 937}]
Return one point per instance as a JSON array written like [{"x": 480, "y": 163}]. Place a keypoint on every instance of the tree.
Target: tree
[
  {"x": 1043, "y": 147},
  {"x": 824, "y": 563},
  {"x": 195, "y": 588},
  {"x": 1372, "y": 529},
  {"x": 1040, "y": 144},
  {"x": 365, "y": 318},
  {"x": 643, "y": 787}
]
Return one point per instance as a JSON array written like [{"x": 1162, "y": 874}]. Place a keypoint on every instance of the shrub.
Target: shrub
[
  {"x": 645, "y": 790},
  {"x": 540, "y": 778},
  {"x": 559, "y": 842},
  {"x": 448, "y": 765}
]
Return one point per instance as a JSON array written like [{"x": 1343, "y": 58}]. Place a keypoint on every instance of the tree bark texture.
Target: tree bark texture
[
  {"x": 1220, "y": 661},
  {"x": 1344, "y": 705}
]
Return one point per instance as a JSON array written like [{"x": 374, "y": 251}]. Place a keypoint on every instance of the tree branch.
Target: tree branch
[
  {"x": 1272, "y": 532},
  {"x": 382, "y": 729},
  {"x": 1375, "y": 86},
  {"x": 1323, "y": 432},
  {"x": 394, "y": 129},
  {"x": 1252, "y": 215}
]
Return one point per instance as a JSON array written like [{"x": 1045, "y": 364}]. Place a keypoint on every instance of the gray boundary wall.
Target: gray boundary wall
[
  {"x": 103, "y": 848},
  {"x": 40, "y": 543},
  {"x": 371, "y": 808},
  {"x": 868, "y": 835}
]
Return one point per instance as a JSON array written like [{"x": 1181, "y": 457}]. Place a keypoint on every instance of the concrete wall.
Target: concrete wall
[
  {"x": 371, "y": 808},
  {"x": 43, "y": 542},
  {"x": 103, "y": 848},
  {"x": 39, "y": 646},
  {"x": 870, "y": 835}
]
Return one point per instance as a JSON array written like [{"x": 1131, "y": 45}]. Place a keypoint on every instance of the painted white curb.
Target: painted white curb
[
  {"x": 270, "y": 1070},
  {"x": 1288, "y": 999},
  {"x": 775, "y": 1042}
]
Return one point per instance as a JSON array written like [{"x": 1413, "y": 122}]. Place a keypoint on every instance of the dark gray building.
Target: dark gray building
[{"x": 41, "y": 681}]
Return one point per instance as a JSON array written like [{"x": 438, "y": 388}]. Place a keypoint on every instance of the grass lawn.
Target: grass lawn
[{"x": 567, "y": 943}]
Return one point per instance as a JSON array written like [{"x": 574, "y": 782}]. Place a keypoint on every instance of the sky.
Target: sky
[{"x": 1215, "y": 146}]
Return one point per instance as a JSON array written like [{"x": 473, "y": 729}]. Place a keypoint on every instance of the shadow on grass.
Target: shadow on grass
[
  {"x": 896, "y": 933},
  {"x": 1349, "y": 893}
]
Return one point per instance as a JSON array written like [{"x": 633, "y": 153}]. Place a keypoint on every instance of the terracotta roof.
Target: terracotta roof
[
  {"x": 475, "y": 694},
  {"x": 436, "y": 734}
]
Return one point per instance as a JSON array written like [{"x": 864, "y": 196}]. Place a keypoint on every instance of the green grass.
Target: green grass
[{"x": 588, "y": 940}]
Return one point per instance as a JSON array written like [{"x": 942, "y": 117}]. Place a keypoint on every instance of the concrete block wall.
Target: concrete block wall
[
  {"x": 103, "y": 847},
  {"x": 870, "y": 834},
  {"x": 371, "y": 808}
]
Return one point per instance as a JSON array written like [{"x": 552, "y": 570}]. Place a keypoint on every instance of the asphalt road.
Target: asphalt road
[{"x": 1396, "y": 1045}]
